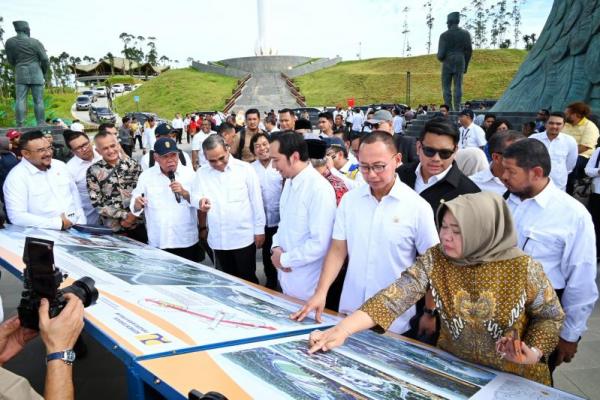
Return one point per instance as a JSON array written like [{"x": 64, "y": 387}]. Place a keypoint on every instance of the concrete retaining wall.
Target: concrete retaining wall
[
  {"x": 265, "y": 63},
  {"x": 315, "y": 66},
  {"x": 236, "y": 73}
]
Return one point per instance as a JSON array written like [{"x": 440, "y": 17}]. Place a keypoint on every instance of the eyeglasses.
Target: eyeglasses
[
  {"x": 377, "y": 168},
  {"x": 84, "y": 146},
  {"x": 431, "y": 152}
]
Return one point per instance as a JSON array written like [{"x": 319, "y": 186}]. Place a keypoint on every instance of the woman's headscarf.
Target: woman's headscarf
[
  {"x": 471, "y": 160},
  {"x": 486, "y": 226}
]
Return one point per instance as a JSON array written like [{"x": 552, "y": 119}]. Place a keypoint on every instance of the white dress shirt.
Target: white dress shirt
[
  {"x": 170, "y": 225},
  {"x": 487, "y": 182},
  {"x": 149, "y": 138},
  {"x": 383, "y": 240},
  {"x": 77, "y": 169},
  {"x": 557, "y": 230},
  {"x": 236, "y": 208},
  {"x": 197, "y": 141},
  {"x": 145, "y": 161},
  {"x": 38, "y": 198},
  {"x": 77, "y": 127},
  {"x": 177, "y": 123},
  {"x": 307, "y": 209},
  {"x": 563, "y": 156},
  {"x": 592, "y": 170},
  {"x": 357, "y": 122},
  {"x": 398, "y": 124},
  {"x": 271, "y": 185},
  {"x": 420, "y": 184},
  {"x": 471, "y": 136}
]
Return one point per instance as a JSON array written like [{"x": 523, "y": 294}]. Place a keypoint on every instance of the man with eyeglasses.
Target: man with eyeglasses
[
  {"x": 83, "y": 156},
  {"x": 39, "y": 191},
  {"x": 436, "y": 177},
  {"x": 382, "y": 240},
  {"x": 228, "y": 192}
]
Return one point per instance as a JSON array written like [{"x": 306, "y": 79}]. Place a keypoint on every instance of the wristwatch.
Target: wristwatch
[
  {"x": 431, "y": 311},
  {"x": 68, "y": 356}
]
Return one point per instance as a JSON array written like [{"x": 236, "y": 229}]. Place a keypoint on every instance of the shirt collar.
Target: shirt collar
[
  {"x": 395, "y": 191},
  {"x": 543, "y": 198},
  {"x": 436, "y": 178},
  {"x": 302, "y": 176},
  {"x": 583, "y": 121}
]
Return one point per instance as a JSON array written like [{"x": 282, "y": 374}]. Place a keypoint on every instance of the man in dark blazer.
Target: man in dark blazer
[
  {"x": 382, "y": 120},
  {"x": 436, "y": 177}
]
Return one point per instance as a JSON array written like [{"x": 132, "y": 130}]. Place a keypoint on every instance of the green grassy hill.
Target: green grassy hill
[
  {"x": 384, "y": 79},
  {"x": 179, "y": 90}
]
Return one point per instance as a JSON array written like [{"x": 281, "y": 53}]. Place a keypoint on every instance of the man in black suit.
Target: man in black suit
[
  {"x": 436, "y": 177},
  {"x": 382, "y": 120}
]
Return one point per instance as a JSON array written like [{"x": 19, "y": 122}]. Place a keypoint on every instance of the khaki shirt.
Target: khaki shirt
[
  {"x": 15, "y": 387},
  {"x": 585, "y": 133}
]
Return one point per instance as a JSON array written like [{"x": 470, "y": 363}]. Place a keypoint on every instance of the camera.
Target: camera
[{"x": 41, "y": 279}]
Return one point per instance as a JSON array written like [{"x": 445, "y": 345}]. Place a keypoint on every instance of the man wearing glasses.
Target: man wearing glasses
[
  {"x": 436, "y": 177},
  {"x": 382, "y": 240},
  {"x": 39, "y": 191},
  {"x": 83, "y": 156}
]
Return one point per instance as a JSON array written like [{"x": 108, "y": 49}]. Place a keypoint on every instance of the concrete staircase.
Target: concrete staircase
[{"x": 265, "y": 91}]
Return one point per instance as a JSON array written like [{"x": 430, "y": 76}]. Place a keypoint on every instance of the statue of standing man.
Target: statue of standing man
[
  {"x": 454, "y": 51},
  {"x": 29, "y": 58}
]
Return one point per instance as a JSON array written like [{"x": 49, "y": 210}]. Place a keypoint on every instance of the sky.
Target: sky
[{"x": 212, "y": 30}]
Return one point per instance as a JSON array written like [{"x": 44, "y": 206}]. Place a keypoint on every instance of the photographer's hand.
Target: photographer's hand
[
  {"x": 61, "y": 332},
  {"x": 13, "y": 337}
]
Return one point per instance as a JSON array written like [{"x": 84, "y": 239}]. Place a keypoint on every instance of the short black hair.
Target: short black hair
[
  {"x": 28, "y": 137},
  {"x": 440, "y": 126},
  {"x": 559, "y": 114},
  {"x": 287, "y": 110},
  {"x": 328, "y": 115},
  {"x": 489, "y": 116},
  {"x": 498, "y": 141},
  {"x": 252, "y": 111},
  {"x": 225, "y": 126},
  {"x": 291, "y": 142},
  {"x": 446, "y": 106},
  {"x": 255, "y": 138},
  {"x": 271, "y": 119},
  {"x": 380, "y": 136},
  {"x": 70, "y": 135},
  {"x": 125, "y": 119},
  {"x": 544, "y": 111},
  {"x": 528, "y": 154},
  {"x": 104, "y": 126}
]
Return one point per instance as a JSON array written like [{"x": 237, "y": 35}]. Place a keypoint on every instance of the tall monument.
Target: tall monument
[
  {"x": 563, "y": 66},
  {"x": 264, "y": 46}
]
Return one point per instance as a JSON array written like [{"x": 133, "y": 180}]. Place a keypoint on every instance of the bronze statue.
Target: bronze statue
[
  {"x": 28, "y": 57},
  {"x": 563, "y": 65},
  {"x": 454, "y": 51}
]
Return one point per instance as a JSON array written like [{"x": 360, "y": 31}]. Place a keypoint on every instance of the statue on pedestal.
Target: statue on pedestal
[
  {"x": 29, "y": 58},
  {"x": 454, "y": 51}
]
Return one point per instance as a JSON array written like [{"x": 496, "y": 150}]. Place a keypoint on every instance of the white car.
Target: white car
[
  {"x": 100, "y": 91},
  {"x": 118, "y": 88}
]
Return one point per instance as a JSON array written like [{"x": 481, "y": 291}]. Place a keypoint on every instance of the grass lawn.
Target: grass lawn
[
  {"x": 384, "y": 79},
  {"x": 57, "y": 104},
  {"x": 179, "y": 90}
]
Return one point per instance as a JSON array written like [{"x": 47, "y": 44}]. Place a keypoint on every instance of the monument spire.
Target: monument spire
[{"x": 263, "y": 44}]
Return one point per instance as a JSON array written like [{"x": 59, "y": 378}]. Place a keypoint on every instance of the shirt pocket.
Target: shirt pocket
[
  {"x": 399, "y": 234},
  {"x": 543, "y": 246},
  {"x": 237, "y": 194}
]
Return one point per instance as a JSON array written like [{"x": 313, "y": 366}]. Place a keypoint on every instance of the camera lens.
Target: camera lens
[{"x": 85, "y": 289}]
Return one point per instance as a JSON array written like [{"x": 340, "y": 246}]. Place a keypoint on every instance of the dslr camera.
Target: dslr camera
[{"x": 41, "y": 279}]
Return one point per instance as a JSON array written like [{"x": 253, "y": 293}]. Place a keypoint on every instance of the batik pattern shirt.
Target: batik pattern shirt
[
  {"x": 110, "y": 189},
  {"x": 339, "y": 187},
  {"x": 478, "y": 305}
]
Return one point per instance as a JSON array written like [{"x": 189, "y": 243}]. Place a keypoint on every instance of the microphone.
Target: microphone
[{"x": 171, "y": 176}]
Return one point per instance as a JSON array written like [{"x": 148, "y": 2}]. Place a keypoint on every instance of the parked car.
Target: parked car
[
  {"x": 143, "y": 116},
  {"x": 102, "y": 114},
  {"x": 127, "y": 87},
  {"x": 313, "y": 114},
  {"x": 90, "y": 94},
  {"x": 118, "y": 88},
  {"x": 100, "y": 91},
  {"x": 83, "y": 103}
]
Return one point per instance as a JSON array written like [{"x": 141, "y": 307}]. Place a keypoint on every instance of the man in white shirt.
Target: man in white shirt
[
  {"x": 38, "y": 191},
  {"x": 490, "y": 179},
  {"x": 271, "y": 185},
  {"x": 148, "y": 136},
  {"x": 229, "y": 192},
  {"x": 562, "y": 149},
  {"x": 357, "y": 120},
  {"x": 471, "y": 134},
  {"x": 398, "y": 122},
  {"x": 83, "y": 156},
  {"x": 326, "y": 123},
  {"x": 271, "y": 124},
  {"x": 162, "y": 193},
  {"x": 307, "y": 210},
  {"x": 556, "y": 230},
  {"x": 164, "y": 130},
  {"x": 77, "y": 126},
  {"x": 177, "y": 124},
  {"x": 394, "y": 224},
  {"x": 198, "y": 158}
]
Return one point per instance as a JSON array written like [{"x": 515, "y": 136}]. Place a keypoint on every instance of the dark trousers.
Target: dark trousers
[
  {"x": 594, "y": 207},
  {"x": 138, "y": 233},
  {"x": 139, "y": 140},
  {"x": 127, "y": 148},
  {"x": 270, "y": 270},
  {"x": 187, "y": 135},
  {"x": 179, "y": 133},
  {"x": 554, "y": 354},
  {"x": 207, "y": 250},
  {"x": 332, "y": 301},
  {"x": 577, "y": 173},
  {"x": 238, "y": 262},
  {"x": 193, "y": 253}
]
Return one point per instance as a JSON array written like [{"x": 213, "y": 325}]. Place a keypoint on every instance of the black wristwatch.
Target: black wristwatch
[
  {"x": 433, "y": 312},
  {"x": 67, "y": 356}
]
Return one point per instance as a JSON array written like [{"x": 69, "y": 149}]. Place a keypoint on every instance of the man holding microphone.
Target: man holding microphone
[{"x": 162, "y": 193}]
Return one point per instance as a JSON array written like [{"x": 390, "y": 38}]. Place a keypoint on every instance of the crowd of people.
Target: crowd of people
[{"x": 466, "y": 237}]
